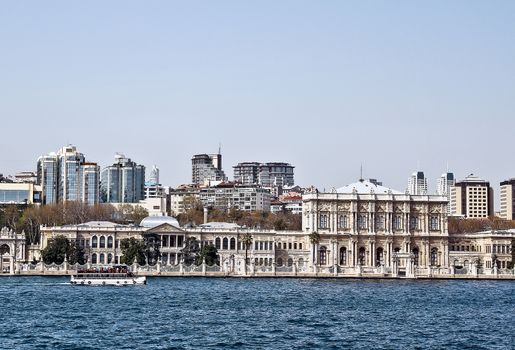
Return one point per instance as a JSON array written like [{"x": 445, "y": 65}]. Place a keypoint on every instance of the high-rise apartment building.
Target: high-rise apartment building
[
  {"x": 472, "y": 198},
  {"x": 206, "y": 167},
  {"x": 268, "y": 175},
  {"x": 90, "y": 192},
  {"x": 47, "y": 177},
  {"x": 444, "y": 185},
  {"x": 123, "y": 182},
  {"x": 65, "y": 176},
  {"x": 70, "y": 177},
  {"x": 154, "y": 176},
  {"x": 507, "y": 196},
  {"x": 417, "y": 184}
]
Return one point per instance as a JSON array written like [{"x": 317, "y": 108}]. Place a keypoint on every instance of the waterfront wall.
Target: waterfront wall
[{"x": 29, "y": 269}]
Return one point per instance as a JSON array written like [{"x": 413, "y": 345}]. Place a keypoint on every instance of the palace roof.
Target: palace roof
[
  {"x": 366, "y": 187},
  {"x": 154, "y": 221}
]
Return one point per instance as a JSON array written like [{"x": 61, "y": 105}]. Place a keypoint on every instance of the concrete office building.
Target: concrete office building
[
  {"x": 206, "y": 168},
  {"x": 472, "y": 198},
  {"x": 507, "y": 197},
  {"x": 417, "y": 184}
]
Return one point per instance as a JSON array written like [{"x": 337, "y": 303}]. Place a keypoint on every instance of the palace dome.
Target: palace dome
[
  {"x": 154, "y": 221},
  {"x": 366, "y": 187}
]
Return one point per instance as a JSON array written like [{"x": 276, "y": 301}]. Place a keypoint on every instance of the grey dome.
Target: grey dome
[{"x": 154, "y": 221}]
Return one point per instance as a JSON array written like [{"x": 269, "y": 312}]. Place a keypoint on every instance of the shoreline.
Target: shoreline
[{"x": 292, "y": 276}]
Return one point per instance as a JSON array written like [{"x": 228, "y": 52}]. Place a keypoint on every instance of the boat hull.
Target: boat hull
[{"x": 122, "y": 281}]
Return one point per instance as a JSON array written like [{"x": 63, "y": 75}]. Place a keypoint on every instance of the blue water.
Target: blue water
[{"x": 190, "y": 313}]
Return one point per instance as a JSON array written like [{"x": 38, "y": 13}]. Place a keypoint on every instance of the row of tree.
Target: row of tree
[
  {"x": 257, "y": 219},
  {"x": 30, "y": 218},
  {"x": 458, "y": 225}
]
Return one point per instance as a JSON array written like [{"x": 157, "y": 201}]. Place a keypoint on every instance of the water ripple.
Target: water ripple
[{"x": 190, "y": 313}]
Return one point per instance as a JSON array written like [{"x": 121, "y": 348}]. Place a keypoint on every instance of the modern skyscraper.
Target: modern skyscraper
[
  {"x": 444, "y": 186},
  {"x": 123, "y": 182},
  {"x": 47, "y": 177},
  {"x": 507, "y": 196},
  {"x": 70, "y": 176},
  {"x": 207, "y": 167},
  {"x": 472, "y": 198},
  {"x": 90, "y": 191},
  {"x": 65, "y": 176},
  {"x": 268, "y": 175},
  {"x": 417, "y": 184},
  {"x": 154, "y": 176}
]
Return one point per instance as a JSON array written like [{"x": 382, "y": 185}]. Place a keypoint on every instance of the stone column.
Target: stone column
[
  {"x": 372, "y": 254},
  {"x": 445, "y": 255}
]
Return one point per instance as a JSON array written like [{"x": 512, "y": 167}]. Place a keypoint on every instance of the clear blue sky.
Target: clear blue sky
[{"x": 324, "y": 85}]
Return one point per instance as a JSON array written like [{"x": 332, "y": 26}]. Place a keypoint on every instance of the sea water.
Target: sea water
[{"x": 237, "y": 313}]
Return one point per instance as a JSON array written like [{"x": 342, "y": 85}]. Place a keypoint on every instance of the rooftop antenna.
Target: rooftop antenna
[
  {"x": 361, "y": 172},
  {"x": 219, "y": 148}
]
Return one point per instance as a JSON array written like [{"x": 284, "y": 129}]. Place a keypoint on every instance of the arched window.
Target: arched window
[
  {"x": 225, "y": 244},
  {"x": 416, "y": 254},
  {"x": 361, "y": 256},
  {"x": 323, "y": 255},
  {"x": 94, "y": 242},
  {"x": 379, "y": 256},
  {"x": 434, "y": 256},
  {"x": 300, "y": 246},
  {"x": 279, "y": 262},
  {"x": 343, "y": 256},
  {"x": 102, "y": 242},
  {"x": 102, "y": 258},
  {"x": 233, "y": 243},
  {"x": 301, "y": 262},
  {"x": 290, "y": 262},
  {"x": 397, "y": 249},
  {"x": 217, "y": 242},
  {"x": 110, "y": 242},
  {"x": 94, "y": 258},
  {"x": 109, "y": 258},
  {"x": 260, "y": 261}
]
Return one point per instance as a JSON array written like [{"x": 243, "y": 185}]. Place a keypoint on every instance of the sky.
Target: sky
[{"x": 397, "y": 86}]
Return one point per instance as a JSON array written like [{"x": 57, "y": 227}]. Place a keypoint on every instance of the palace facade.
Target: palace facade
[
  {"x": 357, "y": 228},
  {"x": 367, "y": 224}
]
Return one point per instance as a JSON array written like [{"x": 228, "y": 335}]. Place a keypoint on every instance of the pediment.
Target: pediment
[{"x": 164, "y": 228}]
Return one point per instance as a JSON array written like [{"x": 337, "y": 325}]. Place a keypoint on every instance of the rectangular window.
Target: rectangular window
[{"x": 324, "y": 221}]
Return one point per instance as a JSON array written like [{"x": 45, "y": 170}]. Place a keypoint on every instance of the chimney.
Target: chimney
[{"x": 205, "y": 215}]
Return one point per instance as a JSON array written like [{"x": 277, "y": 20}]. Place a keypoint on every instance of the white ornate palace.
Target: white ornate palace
[
  {"x": 365, "y": 224},
  {"x": 360, "y": 229}
]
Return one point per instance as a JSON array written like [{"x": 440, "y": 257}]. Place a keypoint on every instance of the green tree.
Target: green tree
[
  {"x": 191, "y": 250},
  {"x": 152, "y": 244},
  {"x": 209, "y": 253},
  {"x": 59, "y": 248},
  {"x": 127, "y": 213},
  {"x": 133, "y": 249},
  {"x": 246, "y": 239}
]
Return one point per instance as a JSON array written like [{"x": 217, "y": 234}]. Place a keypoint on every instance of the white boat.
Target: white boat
[{"x": 107, "y": 277}]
